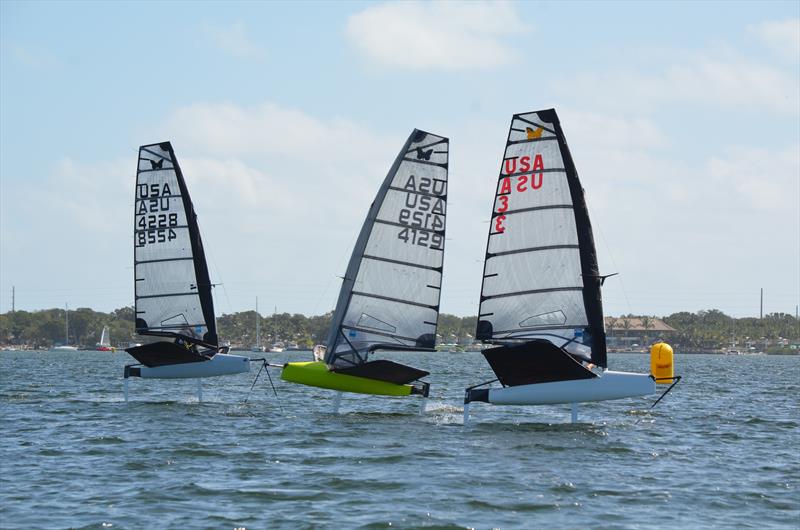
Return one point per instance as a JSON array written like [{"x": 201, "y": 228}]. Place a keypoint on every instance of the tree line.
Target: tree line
[{"x": 711, "y": 329}]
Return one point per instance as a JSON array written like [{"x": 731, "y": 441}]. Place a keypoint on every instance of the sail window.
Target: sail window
[
  {"x": 368, "y": 321},
  {"x": 553, "y": 318}
]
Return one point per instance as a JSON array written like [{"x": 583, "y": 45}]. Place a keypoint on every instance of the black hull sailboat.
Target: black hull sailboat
[
  {"x": 171, "y": 280},
  {"x": 389, "y": 298}
]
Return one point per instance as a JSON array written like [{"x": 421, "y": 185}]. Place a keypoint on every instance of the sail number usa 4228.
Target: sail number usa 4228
[{"x": 154, "y": 221}]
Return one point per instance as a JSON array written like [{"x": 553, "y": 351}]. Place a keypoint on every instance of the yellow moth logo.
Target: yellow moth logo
[{"x": 533, "y": 134}]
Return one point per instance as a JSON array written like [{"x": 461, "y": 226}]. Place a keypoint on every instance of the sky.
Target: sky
[{"x": 683, "y": 119}]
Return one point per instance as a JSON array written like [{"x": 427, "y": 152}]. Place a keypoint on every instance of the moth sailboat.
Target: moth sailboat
[
  {"x": 389, "y": 298},
  {"x": 540, "y": 298},
  {"x": 172, "y": 285}
]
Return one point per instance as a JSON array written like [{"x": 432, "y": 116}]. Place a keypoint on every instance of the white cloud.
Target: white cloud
[
  {"x": 699, "y": 77},
  {"x": 281, "y": 195},
  {"x": 91, "y": 193},
  {"x": 234, "y": 40},
  {"x": 758, "y": 178},
  {"x": 436, "y": 35},
  {"x": 603, "y": 131},
  {"x": 783, "y": 36}
]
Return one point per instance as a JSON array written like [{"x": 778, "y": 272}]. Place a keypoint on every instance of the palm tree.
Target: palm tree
[
  {"x": 611, "y": 323},
  {"x": 647, "y": 323},
  {"x": 626, "y": 325}
]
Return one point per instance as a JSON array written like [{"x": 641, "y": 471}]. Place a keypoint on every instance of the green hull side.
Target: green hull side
[{"x": 317, "y": 374}]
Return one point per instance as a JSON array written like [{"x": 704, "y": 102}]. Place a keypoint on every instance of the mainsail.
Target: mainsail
[
  {"x": 541, "y": 279},
  {"x": 390, "y": 294},
  {"x": 105, "y": 340},
  {"x": 172, "y": 285}
]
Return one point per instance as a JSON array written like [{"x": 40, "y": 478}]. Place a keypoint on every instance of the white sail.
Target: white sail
[
  {"x": 172, "y": 286},
  {"x": 105, "y": 339},
  {"x": 390, "y": 294},
  {"x": 540, "y": 278}
]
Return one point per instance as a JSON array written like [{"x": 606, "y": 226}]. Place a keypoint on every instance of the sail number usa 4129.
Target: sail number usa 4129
[{"x": 423, "y": 214}]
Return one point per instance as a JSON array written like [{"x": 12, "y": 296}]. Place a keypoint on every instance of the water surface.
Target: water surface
[{"x": 720, "y": 451}]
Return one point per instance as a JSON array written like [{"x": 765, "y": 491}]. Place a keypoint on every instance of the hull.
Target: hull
[
  {"x": 220, "y": 364},
  {"x": 611, "y": 385},
  {"x": 317, "y": 374}
]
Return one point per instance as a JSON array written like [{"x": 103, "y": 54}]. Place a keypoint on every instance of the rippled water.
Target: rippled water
[{"x": 720, "y": 451}]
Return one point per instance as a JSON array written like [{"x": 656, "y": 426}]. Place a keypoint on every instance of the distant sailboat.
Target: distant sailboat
[
  {"x": 389, "y": 298},
  {"x": 105, "y": 341},
  {"x": 66, "y": 346},
  {"x": 540, "y": 299},
  {"x": 258, "y": 347},
  {"x": 277, "y": 346},
  {"x": 172, "y": 285}
]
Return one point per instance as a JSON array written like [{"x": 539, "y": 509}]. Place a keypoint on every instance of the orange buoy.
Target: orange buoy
[{"x": 662, "y": 367}]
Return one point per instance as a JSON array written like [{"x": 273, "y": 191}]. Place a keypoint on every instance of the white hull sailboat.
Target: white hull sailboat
[
  {"x": 172, "y": 284},
  {"x": 540, "y": 299},
  {"x": 66, "y": 346},
  {"x": 607, "y": 385}
]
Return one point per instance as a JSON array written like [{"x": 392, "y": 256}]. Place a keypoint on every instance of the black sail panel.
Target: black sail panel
[
  {"x": 541, "y": 279},
  {"x": 390, "y": 294},
  {"x": 171, "y": 279}
]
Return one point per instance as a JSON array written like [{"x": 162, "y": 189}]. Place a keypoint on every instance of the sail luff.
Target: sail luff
[
  {"x": 592, "y": 295},
  {"x": 478, "y": 332},
  {"x": 345, "y": 293}
]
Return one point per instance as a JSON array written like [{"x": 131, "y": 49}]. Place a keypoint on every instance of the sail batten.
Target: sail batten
[
  {"x": 172, "y": 285},
  {"x": 390, "y": 294},
  {"x": 540, "y": 276}
]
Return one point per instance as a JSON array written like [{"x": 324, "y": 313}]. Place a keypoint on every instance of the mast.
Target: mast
[
  {"x": 258, "y": 326},
  {"x": 66, "y": 324},
  {"x": 592, "y": 296}
]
